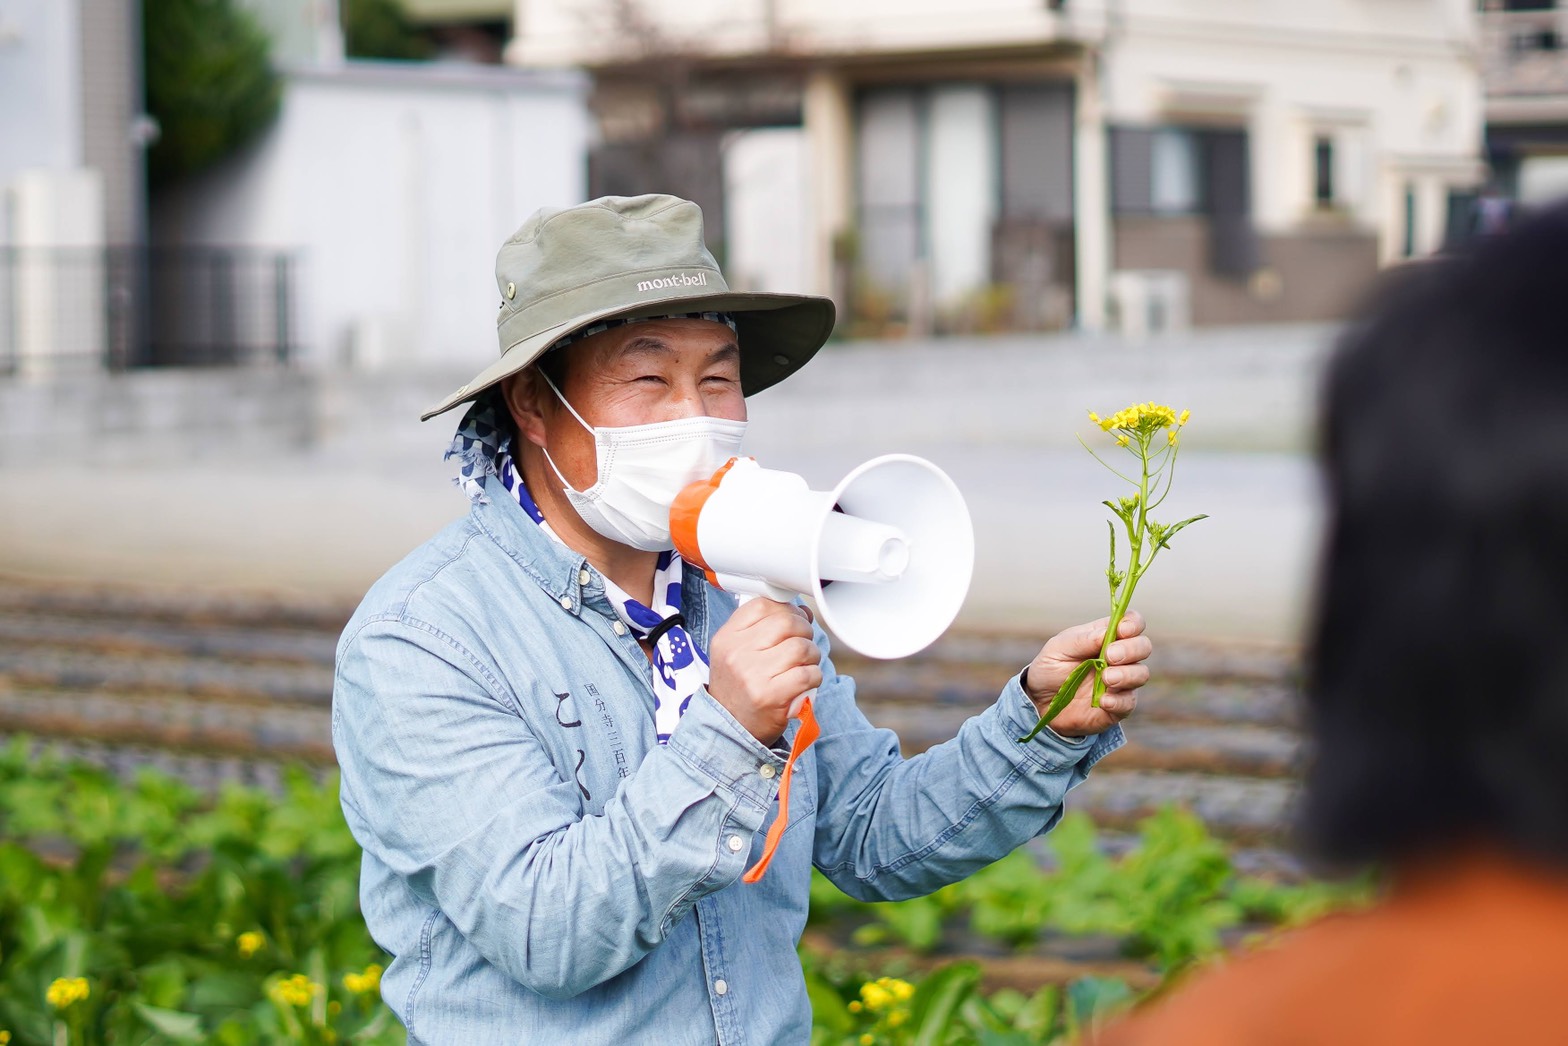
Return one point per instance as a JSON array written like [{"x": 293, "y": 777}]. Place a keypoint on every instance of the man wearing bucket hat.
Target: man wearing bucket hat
[{"x": 560, "y": 748}]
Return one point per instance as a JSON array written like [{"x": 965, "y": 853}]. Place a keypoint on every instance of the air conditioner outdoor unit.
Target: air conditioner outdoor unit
[{"x": 1147, "y": 302}]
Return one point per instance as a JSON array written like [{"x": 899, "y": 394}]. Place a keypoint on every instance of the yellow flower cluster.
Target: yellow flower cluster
[
  {"x": 884, "y": 992},
  {"x": 250, "y": 942},
  {"x": 364, "y": 983},
  {"x": 67, "y": 991},
  {"x": 5, "y": 1038},
  {"x": 1141, "y": 418},
  {"x": 297, "y": 990}
]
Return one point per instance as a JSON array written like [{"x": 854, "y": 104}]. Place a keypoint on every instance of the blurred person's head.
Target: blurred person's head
[{"x": 1438, "y": 689}]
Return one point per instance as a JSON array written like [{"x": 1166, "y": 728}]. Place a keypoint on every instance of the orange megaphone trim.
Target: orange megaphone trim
[
  {"x": 808, "y": 732},
  {"x": 685, "y": 512}
]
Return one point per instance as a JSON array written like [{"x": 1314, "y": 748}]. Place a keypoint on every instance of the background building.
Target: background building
[
  {"x": 71, "y": 177},
  {"x": 1526, "y": 61},
  {"x": 1013, "y": 163}
]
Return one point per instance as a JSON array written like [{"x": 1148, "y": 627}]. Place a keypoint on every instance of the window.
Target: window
[
  {"x": 1174, "y": 172},
  {"x": 1323, "y": 172}
]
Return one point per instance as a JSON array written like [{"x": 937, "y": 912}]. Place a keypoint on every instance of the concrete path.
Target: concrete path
[{"x": 999, "y": 415}]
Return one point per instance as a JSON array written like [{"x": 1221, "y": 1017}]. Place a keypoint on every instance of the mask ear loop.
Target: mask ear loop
[{"x": 580, "y": 421}]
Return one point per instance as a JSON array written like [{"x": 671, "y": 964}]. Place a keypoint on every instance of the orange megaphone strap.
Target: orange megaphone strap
[
  {"x": 684, "y": 514},
  {"x": 808, "y": 732}
]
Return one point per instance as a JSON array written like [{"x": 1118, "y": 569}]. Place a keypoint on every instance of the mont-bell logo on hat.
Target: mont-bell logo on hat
[{"x": 680, "y": 280}]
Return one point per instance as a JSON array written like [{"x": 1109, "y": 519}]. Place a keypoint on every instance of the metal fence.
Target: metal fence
[{"x": 126, "y": 307}]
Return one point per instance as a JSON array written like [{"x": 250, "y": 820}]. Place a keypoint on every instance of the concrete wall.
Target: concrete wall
[
  {"x": 1308, "y": 276},
  {"x": 1252, "y": 387},
  {"x": 96, "y": 419},
  {"x": 396, "y": 184}
]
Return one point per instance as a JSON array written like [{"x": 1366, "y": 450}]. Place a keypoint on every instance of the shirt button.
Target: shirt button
[
  {"x": 566, "y": 602},
  {"x": 767, "y": 771},
  {"x": 720, "y": 986},
  {"x": 618, "y": 628},
  {"x": 735, "y": 844},
  {"x": 582, "y": 577}
]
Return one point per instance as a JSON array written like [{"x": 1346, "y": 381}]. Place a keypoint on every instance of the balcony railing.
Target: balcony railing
[
  {"x": 1525, "y": 53},
  {"x": 124, "y": 307}
]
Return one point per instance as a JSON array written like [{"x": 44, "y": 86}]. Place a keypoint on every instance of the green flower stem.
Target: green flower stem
[{"x": 1124, "y": 597}]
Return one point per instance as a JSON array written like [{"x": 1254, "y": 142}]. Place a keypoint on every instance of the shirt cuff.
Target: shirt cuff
[
  {"x": 714, "y": 742},
  {"x": 1053, "y": 750}
]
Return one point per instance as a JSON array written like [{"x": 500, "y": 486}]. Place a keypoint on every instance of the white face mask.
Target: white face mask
[{"x": 641, "y": 470}]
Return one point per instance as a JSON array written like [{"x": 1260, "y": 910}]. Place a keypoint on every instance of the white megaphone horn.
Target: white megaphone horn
[{"x": 886, "y": 555}]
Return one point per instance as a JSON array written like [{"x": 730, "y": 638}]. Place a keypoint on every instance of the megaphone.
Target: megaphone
[{"x": 886, "y": 555}]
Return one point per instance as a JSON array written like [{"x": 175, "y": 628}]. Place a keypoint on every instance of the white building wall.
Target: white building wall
[
  {"x": 396, "y": 185},
  {"x": 40, "y": 86},
  {"x": 564, "y": 32}
]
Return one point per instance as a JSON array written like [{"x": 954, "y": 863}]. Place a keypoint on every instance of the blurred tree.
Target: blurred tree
[
  {"x": 380, "y": 29},
  {"x": 210, "y": 83}
]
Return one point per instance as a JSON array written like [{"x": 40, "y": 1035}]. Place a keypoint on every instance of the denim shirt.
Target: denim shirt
[{"x": 542, "y": 870}]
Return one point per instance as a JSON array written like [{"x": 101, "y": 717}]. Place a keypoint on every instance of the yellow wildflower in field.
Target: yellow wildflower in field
[
  {"x": 364, "y": 983},
  {"x": 250, "y": 942},
  {"x": 5, "y": 1038},
  {"x": 884, "y": 992},
  {"x": 67, "y": 991},
  {"x": 296, "y": 991},
  {"x": 867, "y": 1039}
]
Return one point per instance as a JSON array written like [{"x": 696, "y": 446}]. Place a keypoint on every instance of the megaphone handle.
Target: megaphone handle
[{"x": 804, "y": 737}]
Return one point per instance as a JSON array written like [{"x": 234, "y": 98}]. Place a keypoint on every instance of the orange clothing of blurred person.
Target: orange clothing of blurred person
[
  {"x": 1467, "y": 953},
  {"x": 1435, "y": 696}
]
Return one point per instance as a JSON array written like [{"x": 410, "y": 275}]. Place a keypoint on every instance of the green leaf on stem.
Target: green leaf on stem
[
  {"x": 1170, "y": 531},
  {"x": 1064, "y": 695},
  {"x": 1111, "y": 573}
]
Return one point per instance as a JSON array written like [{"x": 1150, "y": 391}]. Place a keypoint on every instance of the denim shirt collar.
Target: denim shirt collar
[{"x": 559, "y": 570}]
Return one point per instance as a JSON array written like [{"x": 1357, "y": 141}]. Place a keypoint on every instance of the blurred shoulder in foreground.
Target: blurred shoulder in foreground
[{"x": 1436, "y": 694}]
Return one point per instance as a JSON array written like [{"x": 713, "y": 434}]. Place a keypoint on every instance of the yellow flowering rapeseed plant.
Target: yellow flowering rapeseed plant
[
  {"x": 886, "y": 1000},
  {"x": 364, "y": 983},
  {"x": 66, "y": 992},
  {"x": 250, "y": 942},
  {"x": 295, "y": 991},
  {"x": 1134, "y": 429}
]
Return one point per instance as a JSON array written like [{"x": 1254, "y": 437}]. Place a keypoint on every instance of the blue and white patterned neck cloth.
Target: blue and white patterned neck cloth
[{"x": 680, "y": 668}]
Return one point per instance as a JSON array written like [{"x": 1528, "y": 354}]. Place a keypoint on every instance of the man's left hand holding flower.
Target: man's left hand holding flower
[{"x": 1124, "y": 674}]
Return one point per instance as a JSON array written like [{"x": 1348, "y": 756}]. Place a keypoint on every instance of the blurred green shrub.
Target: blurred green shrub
[
  {"x": 380, "y": 29},
  {"x": 1169, "y": 899},
  {"x": 144, "y": 912},
  {"x": 138, "y": 913},
  {"x": 209, "y": 83}
]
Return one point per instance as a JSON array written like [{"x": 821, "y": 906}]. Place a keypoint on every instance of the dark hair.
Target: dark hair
[{"x": 1437, "y": 696}]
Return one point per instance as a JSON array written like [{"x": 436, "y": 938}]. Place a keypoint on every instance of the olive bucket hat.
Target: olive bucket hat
[{"x": 628, "y": 258}]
